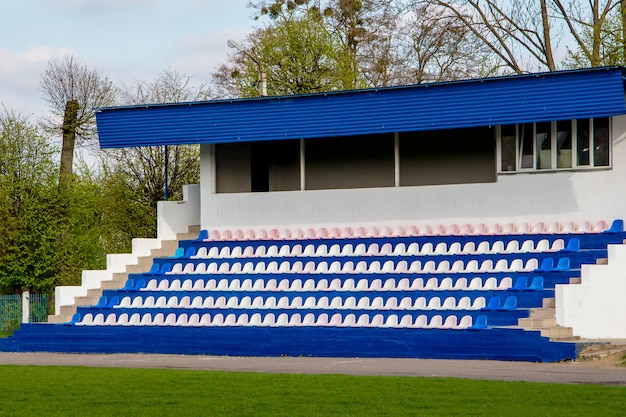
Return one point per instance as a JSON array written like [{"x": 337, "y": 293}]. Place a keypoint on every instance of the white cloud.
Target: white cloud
[{"x": 19, "y": 77}]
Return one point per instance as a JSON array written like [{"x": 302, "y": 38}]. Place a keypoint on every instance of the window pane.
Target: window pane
[
  {"x": 582, "y": 139},
  {"x": 601, "y": 142},
  {"x": 526, "y": 145},
  {"x": 544, "y": 146},
  {"x": 507, "y": 148},
  {"x": 564, "y": 144}
]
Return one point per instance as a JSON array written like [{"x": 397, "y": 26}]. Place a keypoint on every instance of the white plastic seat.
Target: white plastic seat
[
  {"x": 284, "y": 285},
  {"x": 322, "y": 320},
  {"x": 295, "y": 320},
  {"x": 449, "y": 303},
  {"x": 436, "y": 322},
  {"x": 464, "y": 303},
  {"x": 206, "y": 320},
  {"x": 445, "y": 284},
  {"x": 348, "y": 285},
  {"x": 208, "y": 302},
  {"x": 310, "y": 302},
  {"x": 335, "y": 320},
  {"x": 460, "y": 284},
  {"x": 392, "y": 321},
  {"x": 434, "y": 304},
  {"x": 322, "y": 303},
  {"x": 391, "y": 303},
  {"x": 399, "y": 249},
  {"x": 347, "y": 250},
  {"x": 406, "y": 321},
  {"x": 363, "y": 321},
  {"x": 390, "y": 285},
  {"x": 170, "y": 320},
  {"x": 376, "y": 304},
  {"x": 335, "y": 250},
  {"x": 363, "y": 303},
  {"x": 242, "y": 320},
  {"x": 254, "y": 320},
  {"x": 479, "y": 303},
  {"x": 268, "y": 320},
  {"x": 296, "y": 303},
  {"x": 377, "y": 321},
  {"x": 417, "y": 284},
  {"x": 282, "y": 320},
  {"x": 283, "y": 302},
  {"x": 450, "y": 322},
  {"x": 413, "y": 249},
  {"x": 403, "y": 284},
  {"x": 335, "y": 267},
  {"x": 362, "y": 285},
  {"x": 308, "y": 320},
  {"x": 349, "y": 303}
]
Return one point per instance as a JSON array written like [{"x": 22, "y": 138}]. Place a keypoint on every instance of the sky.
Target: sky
[{"x": 127, "y": 40}]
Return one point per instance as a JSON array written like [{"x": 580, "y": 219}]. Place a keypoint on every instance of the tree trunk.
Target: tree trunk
[{"x": 69, "y": 138}]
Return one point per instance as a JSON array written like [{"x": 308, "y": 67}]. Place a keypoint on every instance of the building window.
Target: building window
[{"x": 566, "y": 144}]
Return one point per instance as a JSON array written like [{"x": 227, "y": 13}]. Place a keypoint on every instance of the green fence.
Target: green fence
[{"x": 11, "y": 310}]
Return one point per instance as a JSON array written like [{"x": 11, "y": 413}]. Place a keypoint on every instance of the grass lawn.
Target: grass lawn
[{"x": 79, "y": 391}]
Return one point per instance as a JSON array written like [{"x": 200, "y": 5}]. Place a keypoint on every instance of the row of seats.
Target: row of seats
[
  {"x": 364, "y": 267},
  {"x": 337, "y": 284},
  {"x": 412, "y": 230},
  {"x": 385, "y": 249},
  {"x": 451, "y": 322},
  {"x": 338, "y": 303}
]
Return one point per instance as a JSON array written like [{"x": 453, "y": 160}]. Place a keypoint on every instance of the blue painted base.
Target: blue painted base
[{"x": 491, "y": 344}]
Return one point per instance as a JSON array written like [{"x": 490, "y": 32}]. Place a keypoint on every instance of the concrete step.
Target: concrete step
[
  {"x": 61, "y": 318},
  {"x": 575, "y": 280},
  {"x": 549, "y": 303},
  {"x": 602, "y": 261},
  {"x": 542, "y": 313},
  {"x": 558, "y": 332},
  {"x": 537, "y": 323}
]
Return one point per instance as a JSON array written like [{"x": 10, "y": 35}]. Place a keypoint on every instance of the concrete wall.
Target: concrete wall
[
  {"x": 595, "y": 308},
  {"x": 545, "y": 196}
]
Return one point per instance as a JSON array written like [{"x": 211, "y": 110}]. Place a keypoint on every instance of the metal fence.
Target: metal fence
[{"x": 11, "y": 310}]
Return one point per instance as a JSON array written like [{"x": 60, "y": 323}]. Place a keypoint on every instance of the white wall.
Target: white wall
[
  {"x": 573, "y": 195},
  {"x": 175, "y": 217},
  {"x": 595, "y": 308}
]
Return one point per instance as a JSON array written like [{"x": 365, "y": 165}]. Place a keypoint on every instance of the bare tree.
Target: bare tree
[
  {"x": 154, "y": 173},
  {"x": 589, "y": 25},
  {"x": 518, "y": 33},
  {"x": 72, "y": 90}
]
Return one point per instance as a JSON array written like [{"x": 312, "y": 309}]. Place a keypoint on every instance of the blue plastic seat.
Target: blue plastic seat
[
  {"x": 480, "y": 323},
  {"x": 573, "y": 245},
  {"x": 563, "y": 265},
  {"x": 547, "y": 265},
  {"x": 536, "y": 284},
  {"x": 113, "y": 301},
  {"x": 510, "y": 303},
  {"x": 191, "y": 251},
  {"x": 154, "y": 269},
  {"x": 494, "y": 303},
  {"x": 77, "y": 317},
  {"x": 616, "y": 227},
  {"x": 139, "y": 284},
  {"x": 521, "y": 283},
  {"x": 102, "y": 302},
  {"x": 204, "y": 234},
  {"x": 130, "y": 284},
  {"x": 180, "y": 252}
]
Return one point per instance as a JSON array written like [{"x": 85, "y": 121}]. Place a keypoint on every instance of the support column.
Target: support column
[{"x": 25, "y": 307}]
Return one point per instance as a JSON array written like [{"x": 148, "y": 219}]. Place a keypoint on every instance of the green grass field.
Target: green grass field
[{"x": 80, "y": 391}]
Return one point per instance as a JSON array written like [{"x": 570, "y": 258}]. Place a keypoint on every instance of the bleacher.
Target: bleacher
[{"x": 403, "y": 291}]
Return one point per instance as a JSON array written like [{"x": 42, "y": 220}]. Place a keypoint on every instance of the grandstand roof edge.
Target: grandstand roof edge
[{"x": 541, "y": 96}]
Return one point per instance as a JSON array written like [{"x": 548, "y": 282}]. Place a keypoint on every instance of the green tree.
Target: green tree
[{"x": 298, "y": 51}]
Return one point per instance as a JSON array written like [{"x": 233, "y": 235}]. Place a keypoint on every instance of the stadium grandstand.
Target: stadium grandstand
[{"x": 476, "y": 219}]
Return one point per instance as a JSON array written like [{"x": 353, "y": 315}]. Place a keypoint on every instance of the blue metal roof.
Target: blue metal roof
[{"x": 563, "y": 95}]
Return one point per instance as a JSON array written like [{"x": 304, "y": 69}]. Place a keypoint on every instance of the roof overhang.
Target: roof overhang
[{"x": 563, "y": 95}]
